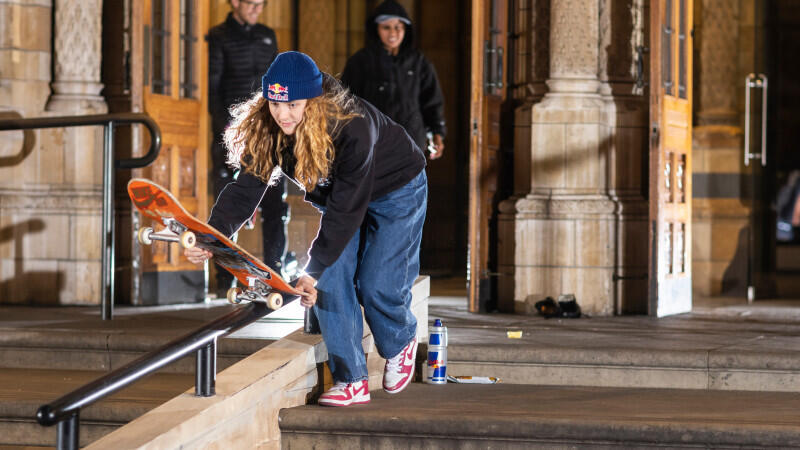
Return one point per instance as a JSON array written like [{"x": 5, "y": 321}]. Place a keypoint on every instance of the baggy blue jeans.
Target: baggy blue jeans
[{"x": 377, "y": 270}]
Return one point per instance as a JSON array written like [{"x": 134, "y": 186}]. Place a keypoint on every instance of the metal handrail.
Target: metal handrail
[
  {"x": 109, "y": 121},
  {"x": 65, "y": 411}
]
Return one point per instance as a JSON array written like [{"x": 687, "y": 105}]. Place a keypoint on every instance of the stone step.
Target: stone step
[
  {"x": 100, "y": 351},
  {"x": 693, "y": 353},
  {"x": 527, "y": 416},
  {"x": 22, "y": 391}
]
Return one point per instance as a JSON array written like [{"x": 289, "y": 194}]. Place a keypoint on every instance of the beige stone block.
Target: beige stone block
[
  {"x": 85, "y": 231},
  {"x": 83, "y": 156},
  {"x": 9, "y": 268},
  {"x": 594, "y": 243},
  {"x": 563, "y": 109},
  {"x": 50, "y": 156},
  {"x": 753, "y": 380},
  {"x": 26, "y": 27},
  {"x": 545, "y": 243},
  {"x": 537, "y": 280},
  {"x": 84, "y": 284},
  {"x": 586, "y": 375},
  {"x": 702, "y": 284},
  {"x": 724, "y": 239},
  {"x": 44, "y": 236},
  {"x": 548, "y": 154},
  {"x": 725, "y": 161},
  {"x": 585, "y": 165},
  {"x": 39, "y": 282},
  {"x": 24, "y": 65},
  {"x": 7, "y": 241},
  {"x": 700, "y": 160},
  {"x": 24, "y": 96},
  {"x": 701, "y": 240},
  {"x": 592, "y": 288}
]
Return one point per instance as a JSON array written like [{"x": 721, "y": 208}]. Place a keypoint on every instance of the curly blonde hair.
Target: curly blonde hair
[{"x": 254, "y": 140}]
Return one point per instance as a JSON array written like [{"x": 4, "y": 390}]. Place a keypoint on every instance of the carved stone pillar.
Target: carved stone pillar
[
  {"x": 623, "y": 74},
  {"x": 77, "y": 55},
  {"x": 565, "y": 227}
]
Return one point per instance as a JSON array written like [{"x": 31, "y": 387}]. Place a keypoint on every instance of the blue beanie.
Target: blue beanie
[{"x": 292, "y": 76}]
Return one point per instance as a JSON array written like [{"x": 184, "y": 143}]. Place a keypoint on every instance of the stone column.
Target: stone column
[
  {"x": 719, "y": 217},
  {"x": 565, "y": 227},
  {"x": 77, "y": 55},
  {"x": 623, "y": 73}
]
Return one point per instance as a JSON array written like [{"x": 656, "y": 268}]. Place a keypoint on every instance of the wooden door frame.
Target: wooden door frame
[{"x": 663, "y": 212}]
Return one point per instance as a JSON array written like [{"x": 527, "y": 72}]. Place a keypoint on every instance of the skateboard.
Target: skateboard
[{"x": 262, "y": 284}]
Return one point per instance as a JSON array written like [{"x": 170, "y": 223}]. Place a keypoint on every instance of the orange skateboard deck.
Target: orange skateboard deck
[{"x": 261, "y": 283}]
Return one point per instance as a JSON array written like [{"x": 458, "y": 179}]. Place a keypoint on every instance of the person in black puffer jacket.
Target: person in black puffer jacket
[
  {"x": 397, "y": 78},
  {"x": 240, "y": 50}
]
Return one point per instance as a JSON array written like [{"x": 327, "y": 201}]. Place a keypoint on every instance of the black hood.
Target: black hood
[{"x": 390, "y": 7}]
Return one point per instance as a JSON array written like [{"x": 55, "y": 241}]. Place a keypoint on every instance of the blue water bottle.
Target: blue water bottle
[{"x": 436, "y": 372}]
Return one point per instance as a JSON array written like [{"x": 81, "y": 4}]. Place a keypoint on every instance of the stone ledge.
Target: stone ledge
[{"x": 249, "y": 395}]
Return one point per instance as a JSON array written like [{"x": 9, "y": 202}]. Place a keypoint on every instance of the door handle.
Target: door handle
[{"x": 754, "y": 81}]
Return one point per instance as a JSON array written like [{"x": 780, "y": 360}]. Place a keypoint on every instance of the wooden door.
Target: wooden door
[
  {"x": 487, "y": 92},
  {"x": 671, "y": 157},
  {"x": 175, "y": 66}
]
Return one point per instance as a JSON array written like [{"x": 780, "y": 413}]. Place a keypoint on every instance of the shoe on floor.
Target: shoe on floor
[
  {"x": 399, "y": 370},
  {"x": 346, "y": 394}
]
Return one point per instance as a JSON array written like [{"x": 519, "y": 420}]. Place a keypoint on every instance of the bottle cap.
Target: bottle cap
[{"x": 437, "y": 322}]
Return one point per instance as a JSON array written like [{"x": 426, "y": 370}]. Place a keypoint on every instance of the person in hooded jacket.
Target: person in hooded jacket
[
  {"x": 393, "y": 75},
  {"x": 366, "y": 176},
  {"x": 239, "y": 51}
]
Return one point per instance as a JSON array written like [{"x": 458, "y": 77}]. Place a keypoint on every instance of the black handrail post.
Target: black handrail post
[
  {"x": 206, "y": 373},
  {"x": 69, "y": 433},
  {"x": 107, "y": 289}
]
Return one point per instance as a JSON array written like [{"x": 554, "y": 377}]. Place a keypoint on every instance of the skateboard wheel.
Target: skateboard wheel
[
  {"x": 274, "y": 300},
  {"x": 188, "y": 239},
  {"x": 233, "y": 295},
  {"x": 143, "y": 235}
]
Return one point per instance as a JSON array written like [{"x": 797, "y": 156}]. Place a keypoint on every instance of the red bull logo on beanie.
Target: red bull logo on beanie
[{"x": 278, "y": 93}]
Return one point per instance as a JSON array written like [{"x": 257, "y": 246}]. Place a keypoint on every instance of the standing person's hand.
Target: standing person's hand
[
  {"x": 197, "y": 255},
  {"x": 306, "y": 284},
  {"x": 438, "y": 144}
]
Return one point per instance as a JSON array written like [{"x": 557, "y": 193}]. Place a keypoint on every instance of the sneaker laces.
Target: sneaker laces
[
  {"x": 339, "y": 386},
  {"x": 393, "y": 364}
]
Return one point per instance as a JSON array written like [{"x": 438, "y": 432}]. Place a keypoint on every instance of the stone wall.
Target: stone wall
[
  {"x": 50, "y": 180},
  {"x": 579, "y": 213}
]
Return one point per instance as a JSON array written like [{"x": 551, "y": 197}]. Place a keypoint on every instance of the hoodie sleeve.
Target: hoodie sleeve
[
  {"x": 236, "y": 203},
  {"x": 431, "y": 100},
  {"x": 352, "y": 182}
]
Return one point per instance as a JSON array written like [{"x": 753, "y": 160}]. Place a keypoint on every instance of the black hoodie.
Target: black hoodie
[{"x": 404, "y": 87}]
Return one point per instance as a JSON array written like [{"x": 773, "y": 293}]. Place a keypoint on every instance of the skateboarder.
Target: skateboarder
[
  {"x": 366, "y": 176},
  {"x": 239, "y": 50}
]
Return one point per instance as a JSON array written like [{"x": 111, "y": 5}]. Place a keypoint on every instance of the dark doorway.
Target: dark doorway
[{"x": 776, "y": 184}]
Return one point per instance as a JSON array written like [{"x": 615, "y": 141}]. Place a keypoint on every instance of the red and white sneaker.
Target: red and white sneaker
[
  {"x": 346, "y": 394},
  {"x": 399, "y": 370}
]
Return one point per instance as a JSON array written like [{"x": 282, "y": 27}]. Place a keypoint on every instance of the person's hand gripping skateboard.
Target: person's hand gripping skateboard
[{"x": 305, "y": 283}]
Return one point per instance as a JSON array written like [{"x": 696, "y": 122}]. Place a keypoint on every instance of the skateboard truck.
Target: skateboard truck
[
  {"x": 173, "y": 232},
  {"x": 257, "y": 291}
]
